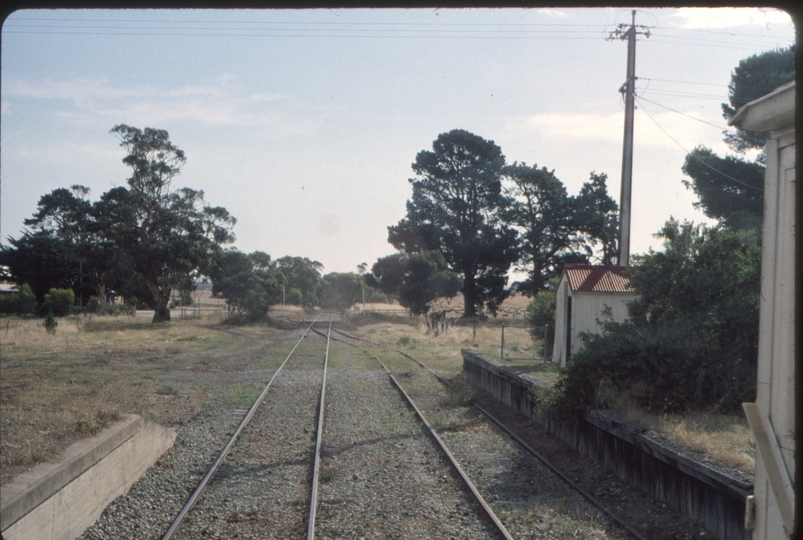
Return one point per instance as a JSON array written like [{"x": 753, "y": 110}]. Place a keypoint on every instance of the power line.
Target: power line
[
  {"x": 684, "y": 114},
  {"x": 692, "y": 155},
  {"x": 295, "y": 22},
  {"x": 729, "y": 45},
  {"x": 299, "y": 26},
  {"x": 723, "y": 32},
  {"x": 684, "y": 82},
  {"x": 301, "y": 35},
  {"x": 678, "y": 93}
]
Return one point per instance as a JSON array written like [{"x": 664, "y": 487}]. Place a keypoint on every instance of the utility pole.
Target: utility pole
[{"x": 628, "y": 89}]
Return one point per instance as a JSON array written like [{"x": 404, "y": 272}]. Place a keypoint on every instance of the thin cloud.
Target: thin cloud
[
  {"x": 578, "y": 128},
  {"x": 690, "y": 18},
  {"x": 221, "y": 104},
  {"x": 553, "y": 13}
]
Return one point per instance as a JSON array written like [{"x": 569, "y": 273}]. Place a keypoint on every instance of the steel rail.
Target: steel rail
[
  {"x": 354, "y": 337},
  {"x": 313, "y": 505},
  {"x": 591, "y": 498},
  {"x": 487, "y": 509},
  {"x": 334, "y": 338},
  {"x": 216, "y": 465}
]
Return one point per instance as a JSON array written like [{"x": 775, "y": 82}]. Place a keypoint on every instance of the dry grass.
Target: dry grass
[
  {"x": 725, "y": 438},
  {"x": 58, "y": 388},
  {"x": 55, "y": 389}
]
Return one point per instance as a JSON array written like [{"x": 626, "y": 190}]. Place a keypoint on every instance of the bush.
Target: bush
[
  {"x": 59, "y": 301},
  {"x": 691, "y": 342},
  {"x": 541, "y": 312},
  {"x": 50, "y": 323},
  {"x": 294, "y": 297},
  {"x": 23, "y": 302},
  {"x": 117, "y": 309},
  {"x": 8, "y": 304},
  {"x": 185, "y": 300},
  {"x": 93, "y": 306}
]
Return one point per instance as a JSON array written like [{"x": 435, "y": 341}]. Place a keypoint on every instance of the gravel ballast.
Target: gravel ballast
[{"x": 382, "y": 475}]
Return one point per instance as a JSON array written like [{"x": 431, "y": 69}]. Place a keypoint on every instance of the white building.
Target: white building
[
  {"x": 771, "y": 512},
  {"x": 583, "y": 293}
]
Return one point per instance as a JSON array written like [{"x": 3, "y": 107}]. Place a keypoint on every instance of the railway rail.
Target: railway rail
[
  {"x": 369, "y": 453},
  {"x": 246, "y": 420},
  {"x": 319, "y": 443},
  {"x": 601, "y": 505}
]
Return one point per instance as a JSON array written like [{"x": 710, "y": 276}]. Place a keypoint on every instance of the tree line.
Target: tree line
[{"x": 149, "y": 240}]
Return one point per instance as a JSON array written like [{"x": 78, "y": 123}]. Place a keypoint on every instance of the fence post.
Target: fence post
[
  {"x": 502, "y": 352},
  {"x": 475, "y": 330}
]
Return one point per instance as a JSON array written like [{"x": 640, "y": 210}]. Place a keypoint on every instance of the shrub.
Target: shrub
[
  {"x": 185, "y": 300},
  {"x": 50, "y": 323},
  {"x": 93, "y": 306},
  {"x": 23, "y": 302},
  {"x": 26, "y": 300},
  {"x": 294, "y": 297},
  {"x": 541, "y": 312},
  {"x": 117, "y": 309},
  {"x": 8, "y": 304},
  {"x": 59, "y": 301}
]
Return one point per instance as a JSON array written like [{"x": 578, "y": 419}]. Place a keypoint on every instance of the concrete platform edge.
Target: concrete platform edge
[{"x": 98, "y": 468}]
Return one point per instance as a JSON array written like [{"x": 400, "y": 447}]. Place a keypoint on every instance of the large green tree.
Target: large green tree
[
  {"x": 303, "y": 275},
  {"x": 40, "y": 259},
  {"x": 556, "y": 228},
  {"x": 415, "y": 279},
  {"x": 754, "y": 77},
  {"x": 250, "y": 282},
  {"x": 730, "y": 189},
  {"x": 457, "y": 209},
  {"x": 341, "y": 290},
  {"x": 68, "y": 215},
  {"x": 163, "y": 234}
]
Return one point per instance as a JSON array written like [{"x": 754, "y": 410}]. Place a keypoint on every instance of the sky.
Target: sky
[{"x": 304, "y": 123}]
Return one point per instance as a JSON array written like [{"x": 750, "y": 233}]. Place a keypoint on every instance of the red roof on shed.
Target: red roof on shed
[{"x": 591, "y": 278}]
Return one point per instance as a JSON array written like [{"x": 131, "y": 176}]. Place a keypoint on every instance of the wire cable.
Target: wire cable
[
  {"x": 692, "y": 155},
  {"x": 684, "y": 114}
]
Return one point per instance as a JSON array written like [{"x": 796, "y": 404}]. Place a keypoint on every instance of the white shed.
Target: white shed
[
  {"x": 771, "y": 513},
  {"x": 583, "y": 292}
]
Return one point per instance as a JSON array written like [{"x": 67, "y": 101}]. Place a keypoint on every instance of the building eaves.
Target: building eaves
[{"x": 591, "y": 278}]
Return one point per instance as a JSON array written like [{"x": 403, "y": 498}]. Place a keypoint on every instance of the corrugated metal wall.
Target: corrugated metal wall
[
  {"x": 587, "y": 309},
  {"x": 561, "y": 306}
]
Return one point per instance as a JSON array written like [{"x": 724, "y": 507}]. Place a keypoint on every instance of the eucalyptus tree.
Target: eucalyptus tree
[
  {"x": 163, "y": 234},
  {"x": 415, "y": 279}
]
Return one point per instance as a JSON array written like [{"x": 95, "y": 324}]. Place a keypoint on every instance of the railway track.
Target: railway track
[
  {"x": 242, "y": 466},
  {"x": 333, "y": 451},
  {"x": 595, "y": 501}
]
